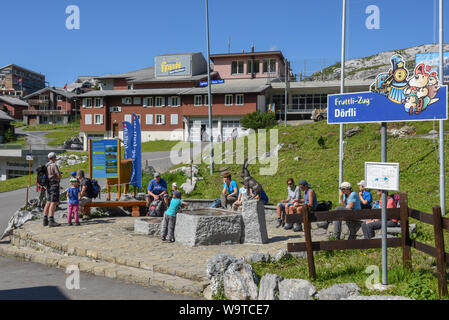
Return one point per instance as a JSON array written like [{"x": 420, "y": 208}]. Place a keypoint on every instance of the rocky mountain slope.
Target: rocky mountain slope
[{"x": 369, "y": 67}]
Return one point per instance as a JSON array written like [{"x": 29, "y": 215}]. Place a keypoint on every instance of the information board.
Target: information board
[
  {"x": 382, "y": 176},
  {"x": 105, "y": 157}
]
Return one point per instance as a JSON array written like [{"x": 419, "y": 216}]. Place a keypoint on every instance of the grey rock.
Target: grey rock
[
  {"x": 379, "y": 298},
  {"x": 254, "y": 223},
  {"x": 196, "y": 229},
  {"x": 18, "y": 220},
  {"x": 240, "y": 282},
  {"x": 352, "y": 132},
  {"x": 302, "y": 255},
  {"x": 258, "y": 257},
  {"x": 188, "y": 187},
  {"x": 269, "y": 287},
  {"x": 339, "y": 291},
  {"x": 216, "y": 267},
  {"x": 433, "y": 132},
  {"x": 126, "y": 197},
  {"x": 296, "y": 289},
  {"x": 207, "y": 293},
  {"x": 281, "y": 254},
  {"x": 148, "y": 226}
]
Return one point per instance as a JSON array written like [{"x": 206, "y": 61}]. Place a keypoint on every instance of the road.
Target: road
[{"x": 29, "y": 281}]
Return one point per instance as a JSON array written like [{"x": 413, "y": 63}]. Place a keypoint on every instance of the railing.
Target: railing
[
  {"x": 46, "y": 113},
  {"x": 10, "y": 147},
  {"x": 403, "y": 214},
  {"x": 36, "y": 102}
]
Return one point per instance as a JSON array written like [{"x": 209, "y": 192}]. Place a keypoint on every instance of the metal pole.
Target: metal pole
[
  {"x": 342, "y": 90},
  {"x": 442, "y": 151},
  {"x": 209, "y": 92},
  {"x": 286, "y": 93},
  {"x": 384, "y": 212}
]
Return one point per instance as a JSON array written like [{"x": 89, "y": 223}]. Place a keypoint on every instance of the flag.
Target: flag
[
  {"x": 136, "y": 178},
  {"x": 20, "y": 84},
  {"x": 65, "y": 87},
  {"x": 128, "y": 139}
]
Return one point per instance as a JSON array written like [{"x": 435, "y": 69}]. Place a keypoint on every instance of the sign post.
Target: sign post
[{"x": 29, "y": 158}]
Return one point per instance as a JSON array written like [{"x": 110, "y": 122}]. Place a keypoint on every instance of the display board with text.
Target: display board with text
[{"x": 105, "y": 157}]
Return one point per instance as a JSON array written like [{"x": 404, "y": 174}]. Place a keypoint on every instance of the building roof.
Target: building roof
[
  {"x": 250, "y": 53},
  {"x": 322, "y": 84},
  {"x": 13, "y": 101},
  {"x": 234, "y": 86},
  {"x": 137, "y": 92},
  {"x": 28, "y": 70},
  {"x": 59, "y": 91},
  {"x": 5, "y": 117}
]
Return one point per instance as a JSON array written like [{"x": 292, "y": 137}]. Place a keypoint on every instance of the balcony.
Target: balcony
[
  {"x": 46, "y": 113},
  {"x": 37, "y": 102}
]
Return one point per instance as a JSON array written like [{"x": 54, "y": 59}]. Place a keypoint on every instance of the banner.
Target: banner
[
  {"x": 136, "y": 155},
  {"x": 433, "y": 59},
  {"x": 128, "y": 139},
  {"x": 395, "y": 96},
  {"x": 105, "y": 157}
]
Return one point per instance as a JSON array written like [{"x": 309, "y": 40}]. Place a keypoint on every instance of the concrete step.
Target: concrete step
[{"x": 28, "y": 249}]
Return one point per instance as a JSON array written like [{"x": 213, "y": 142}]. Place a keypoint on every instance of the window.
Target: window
[
  {"x": 239, "y": 100},
  {"x": 237, "y": 67},
  {"x": 98, "y": 119},
  {"x": 198, "y": 101},
  {"x": 130, "y": 87},
  {"x": 115, "y": 109},
  {"x": 160, "y": 101},
  {"x": 206, "y": 100},
  {"x": 88, "y": 119},
  {"x": 148, "y": 102},
  {"x": 250, "y": 64},
  {"x": 59, "y": 108},
  {"x": 149, "y": 119},
  {"x": 137, "y": 100},
  {"x": 59, "y": 98},
  {"x": 127, "y": 100},
  {"x": 174, "y": 119},
  {"x": 98, "y": 103},
  {"x": 43, "y": 98},
  {"x": 229, "y": 100},
  {"x": 269, "y": 66},
  {"x": 160, "y": 119},
  {"x": 128, "y": 118},
  {"x": 174, "y": 101},
  {"x": 89, "y": 103}
]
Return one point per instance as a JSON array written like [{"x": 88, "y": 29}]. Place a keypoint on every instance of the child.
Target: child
[
  {"x": 169, "y": 222},
  {"x": 73, "y": 198},
  {"x": 243, "y": 196}
]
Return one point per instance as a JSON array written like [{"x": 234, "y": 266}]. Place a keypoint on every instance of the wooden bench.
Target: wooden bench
[{"x": 135, "y": 205}]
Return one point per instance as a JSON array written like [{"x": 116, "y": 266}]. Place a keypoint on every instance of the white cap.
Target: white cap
[
  {"x": 346, "y": 185},
  {"x": 51, "y": 155},
  {"x": 362, "y": 183},
  {"x": 174, "y": 184}
]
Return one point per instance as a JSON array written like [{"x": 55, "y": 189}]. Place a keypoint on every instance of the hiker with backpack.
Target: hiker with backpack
[
  {"x": 157, "y": 191},
  {"x": 369, "y": 227},
  {"x": 52, "y": 181},
  {"x": 85, "y": 194}
]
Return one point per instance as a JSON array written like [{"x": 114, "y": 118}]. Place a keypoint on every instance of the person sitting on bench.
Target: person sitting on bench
[
  {"x": 157, "y": 189},
  {"x": 310, "y": 200},
  {"x": 294, "y": 195},
  {"x": 369, "y": 227},
  {"x": 230, "y": 193}
]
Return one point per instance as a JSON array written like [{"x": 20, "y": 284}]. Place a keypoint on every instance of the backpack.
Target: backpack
[
  {"x": 324, "y": 206},
  {"x": 396, "y": 197},
  {"x": 42, "y": 176},
  {"x": 156, "y": 208},
  {"x": 216, "y": 204},
  {"x": 93, "y": 189}
]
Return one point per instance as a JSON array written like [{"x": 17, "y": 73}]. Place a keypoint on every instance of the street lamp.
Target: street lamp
[{"x": 209, "y": 92}]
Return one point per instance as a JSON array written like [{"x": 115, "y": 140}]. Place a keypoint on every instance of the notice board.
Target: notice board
[{"x": 382, "y": 176}]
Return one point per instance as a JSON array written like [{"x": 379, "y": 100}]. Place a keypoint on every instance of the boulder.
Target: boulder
[
  {"x": 148, "y": 226},
  {"x": 216, "y": 267},
  {"x": 352, "y": 132},
  {"x": 258, "y": 257},
  {"x": 269, "y": 287},
  {"x": 339, "y": 291},
  {"x": 188, "y": 187},
  {"x": 254, "y": 223},
  {"x": 296, "y": 289},
  {"x": 379, "y": 298},
  {"x": 240, "y": 282},
  {"x": 281, "y": 254}
]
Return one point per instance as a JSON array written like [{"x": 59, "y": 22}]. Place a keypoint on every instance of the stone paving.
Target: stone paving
[{"x": 102, "y": 245}]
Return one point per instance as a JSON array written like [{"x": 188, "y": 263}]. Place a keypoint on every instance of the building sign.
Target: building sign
[
  {"x": 206, "y": 83},
  {"x": 382, "y": 176},
  {"x": 433, "y": 60},
  {"x": 105, "y": 158},
  {"x": 173, "y": 65},
  {"x": 396, "y": 95}
]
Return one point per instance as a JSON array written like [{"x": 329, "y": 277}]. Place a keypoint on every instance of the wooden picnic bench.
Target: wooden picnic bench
[{"x": 135, "y": 205}]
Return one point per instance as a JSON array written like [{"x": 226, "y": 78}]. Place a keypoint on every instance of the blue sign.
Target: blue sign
[
  {"x": 136, "y": 155},
  {"x": 128, "y": 139},
  {"x": 433, "y": 59},
  {"x": 206, "y": 83},
  {"x": 395, "y": 96},
  {"x": 105, "y": 158}
]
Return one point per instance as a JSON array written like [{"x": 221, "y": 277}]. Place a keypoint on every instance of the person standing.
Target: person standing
[
  {"x": 53, "y": 191},
  {"x": 169, "y": 222},
  {"x": 230, "y": 192},
  {"x": 74, "y": 203}
]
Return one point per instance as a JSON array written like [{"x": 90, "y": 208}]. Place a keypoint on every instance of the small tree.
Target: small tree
[{"x": 259, "y": 120}]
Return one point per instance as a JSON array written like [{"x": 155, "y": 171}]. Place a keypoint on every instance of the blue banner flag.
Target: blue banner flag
[
  {"x": 128, "y": 139},
  {"x": 136, "y": 155}
]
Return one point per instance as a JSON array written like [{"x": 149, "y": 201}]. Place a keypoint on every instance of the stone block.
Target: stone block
[
  {"x": 148, "y": 226},
  {"x": 339, "y": 291},
  {"x": 269, "y": 287},
  {"x": 294, "y": 289},
  {"x": 205, "y": 227},
  {"x": 254, "y": 223},
  {"x": 240, "y": 282}
]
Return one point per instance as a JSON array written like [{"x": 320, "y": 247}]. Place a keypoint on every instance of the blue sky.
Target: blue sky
[{"x": 120, "y": 36}]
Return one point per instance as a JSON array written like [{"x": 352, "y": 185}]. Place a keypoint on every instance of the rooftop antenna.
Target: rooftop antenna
[
  {"x": 229, "y": 45},
  {"x": 252, "y": 48}
]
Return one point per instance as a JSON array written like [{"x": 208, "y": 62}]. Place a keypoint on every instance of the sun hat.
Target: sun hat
[
  {"x": 51, "y": 155},
  {"x": 346, "y": 185},
  {"x": 174, "y": 184},
  {"x": 304, "y": 183},
  {"x": 362, "y": 183},
  {"x": 157, "y": 174},
  {"x": 73, "y": 180},
  {"x": 177, "y": 194},
  {"x": 73, "y": 174}
]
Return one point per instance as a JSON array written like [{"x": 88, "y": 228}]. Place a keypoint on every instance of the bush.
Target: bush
[
  {"x": 258, "y": 120},
  {"x": 10, "y": 136}
]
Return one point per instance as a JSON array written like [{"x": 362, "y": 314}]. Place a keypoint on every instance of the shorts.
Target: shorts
[{"x": 53, "y": 192}]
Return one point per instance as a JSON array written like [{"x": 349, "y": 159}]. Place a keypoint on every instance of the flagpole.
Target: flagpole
[
  {"x": 209, "y": 92},
  {"x": 442, "y": 151}
]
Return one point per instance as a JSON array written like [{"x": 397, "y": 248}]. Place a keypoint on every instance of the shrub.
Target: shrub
[{"x": 258, "y": 120}]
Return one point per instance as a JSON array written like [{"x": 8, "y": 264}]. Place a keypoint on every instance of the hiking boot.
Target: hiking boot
[
  {"x": 77, "y": 224},
  {"x": 70, "y": 224},
  {"x": 171, "y": 240},
  {"x": 45, "y": 221},
  {"x": 52, "y": 223},
  {"x": 288, "y": 226},
  {"x": 163, "y": 239},
  {"x": 298, "y": 227},
  {"x": 280, "y": 223}
]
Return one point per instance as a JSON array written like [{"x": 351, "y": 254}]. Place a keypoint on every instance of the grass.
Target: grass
[
  {"x": 51, "y": 127},
  {"x": 57, "y": 138},
  {"x": 163, "y": 145},
  {"x": 22, "y": 182}
]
